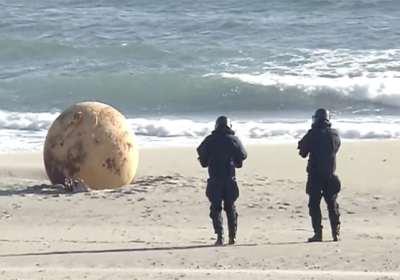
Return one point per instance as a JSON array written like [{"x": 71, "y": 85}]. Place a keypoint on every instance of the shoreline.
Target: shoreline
[{"x": 246, "y": 144}]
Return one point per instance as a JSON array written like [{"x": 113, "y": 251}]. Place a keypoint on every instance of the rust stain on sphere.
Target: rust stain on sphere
[{"x": 91, "y": 141}]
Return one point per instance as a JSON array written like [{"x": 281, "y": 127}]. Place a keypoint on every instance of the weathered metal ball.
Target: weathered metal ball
[{"x": 93, "y": 142}]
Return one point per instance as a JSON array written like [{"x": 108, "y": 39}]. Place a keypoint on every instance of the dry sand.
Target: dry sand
[{"x": 159, "y": 228}]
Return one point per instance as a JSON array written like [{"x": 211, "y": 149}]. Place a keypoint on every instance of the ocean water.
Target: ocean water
[{"x": 172, "y": 67}]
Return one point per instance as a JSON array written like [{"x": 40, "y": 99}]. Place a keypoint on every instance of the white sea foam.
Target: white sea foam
[
  {"x": 381, "y": 89},
  {"x": 27, "y": 131}
]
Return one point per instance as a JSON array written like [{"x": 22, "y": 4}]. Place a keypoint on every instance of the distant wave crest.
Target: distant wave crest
[{"x": 174, "y": 93}]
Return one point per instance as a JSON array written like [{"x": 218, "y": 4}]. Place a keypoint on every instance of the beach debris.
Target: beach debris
[{"x": 75, "y": 186}]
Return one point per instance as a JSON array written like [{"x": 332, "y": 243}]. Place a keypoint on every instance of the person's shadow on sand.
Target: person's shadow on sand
[
  {"x": 171, "y": 248},
  {"x": 190, "y": 247},
  {"x": 42, "y": 189}
]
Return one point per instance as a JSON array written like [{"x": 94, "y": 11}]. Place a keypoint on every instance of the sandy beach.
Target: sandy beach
[{"x": 158, "y": 228}]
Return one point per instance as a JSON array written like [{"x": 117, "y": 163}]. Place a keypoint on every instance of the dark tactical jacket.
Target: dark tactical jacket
[
  {"x": 321, "y": 143},
  {"x": 221, "y": 152}
]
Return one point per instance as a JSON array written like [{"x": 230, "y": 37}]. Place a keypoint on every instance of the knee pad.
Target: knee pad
[
  {"x": 215, "y": 208},
  {"x": 334, "y": 210},
  {"x": 229, "y": 207},
  {"x": 215, "y": 211},
  {"x": 333, "y": 207}
]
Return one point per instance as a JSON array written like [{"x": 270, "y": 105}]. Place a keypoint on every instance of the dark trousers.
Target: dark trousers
[
  {"x": 328, "y": 187},
  {"x": 226, "y": 191}
]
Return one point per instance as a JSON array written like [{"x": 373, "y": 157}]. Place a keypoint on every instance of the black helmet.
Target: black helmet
[
  {"x": 321, "y": 115},
  {"x": 223, "y": 121}
]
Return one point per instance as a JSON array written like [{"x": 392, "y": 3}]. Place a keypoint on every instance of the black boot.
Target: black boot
[
  {"x": 220, "y": 240},
  {"x": 317, "y": 226},
  {"x": 336, "y": 233},
  {"x": 317, "y": 236},
  {"x": 232, "y": 217},
  {"x": 216, "y": 217}
]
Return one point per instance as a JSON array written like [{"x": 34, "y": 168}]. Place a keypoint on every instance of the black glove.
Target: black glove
[{"x": 202, "y": 162}]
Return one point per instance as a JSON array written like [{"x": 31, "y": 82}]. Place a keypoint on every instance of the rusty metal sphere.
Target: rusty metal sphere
[{"x": 91, "y": 141}]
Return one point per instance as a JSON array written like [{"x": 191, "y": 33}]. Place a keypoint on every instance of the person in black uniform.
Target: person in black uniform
[
  {"x": 322, "y": 143},
  {"x": 221, "y": 152}
]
